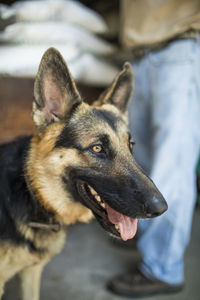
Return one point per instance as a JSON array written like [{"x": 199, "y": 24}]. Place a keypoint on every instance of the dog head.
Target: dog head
[{"x": 81, "y": 156}]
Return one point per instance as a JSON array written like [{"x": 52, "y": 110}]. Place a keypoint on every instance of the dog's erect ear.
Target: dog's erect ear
[
  {"x": 120, "y": 91},
  {"x": 55, "y": 93}
]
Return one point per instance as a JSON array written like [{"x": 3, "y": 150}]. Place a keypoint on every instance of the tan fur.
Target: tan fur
[
  {"x": 29, "y": 282},
  {"x": 44, "y": 169},
  {"x": 22, "y": 259}
]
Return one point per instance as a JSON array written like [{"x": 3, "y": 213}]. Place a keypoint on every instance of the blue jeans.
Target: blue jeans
[{"x": 165, "y": 121}]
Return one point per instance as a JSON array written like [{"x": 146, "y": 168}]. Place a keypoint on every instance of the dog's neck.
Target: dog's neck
[
  {"x": 42, "y": 219},
  {"x": 36, "y": 216}
]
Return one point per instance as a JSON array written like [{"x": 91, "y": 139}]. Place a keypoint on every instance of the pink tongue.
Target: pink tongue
[{"x": 127, "y": 225}]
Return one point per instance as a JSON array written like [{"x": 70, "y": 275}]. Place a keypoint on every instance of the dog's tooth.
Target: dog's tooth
[
  {"x": 92, "y": 191},
  {"x": 117, "y": 226},
  {"x": 98, "y": 198},
  {"x": 103, "y": 205}
]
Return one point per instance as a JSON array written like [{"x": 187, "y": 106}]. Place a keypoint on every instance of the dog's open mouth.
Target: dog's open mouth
[{"x": 113, "y": 221}]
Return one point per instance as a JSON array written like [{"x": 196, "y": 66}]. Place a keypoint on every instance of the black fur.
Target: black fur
[
  {"x": 110, "y": 118},
  {"x": 67, "y": 138},
  {"x": 16, "y": 202}
]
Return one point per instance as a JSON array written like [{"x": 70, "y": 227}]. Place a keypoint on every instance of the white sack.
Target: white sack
[
  {"x": 58, "y": 10},
  {"x": 55, "y": 32},
  {"x": 23, "y": 61}
]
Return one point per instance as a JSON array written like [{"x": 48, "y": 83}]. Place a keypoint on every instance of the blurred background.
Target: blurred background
[
  {"x": 86, "y": 34},
  {"x": 80, "y": 33}
]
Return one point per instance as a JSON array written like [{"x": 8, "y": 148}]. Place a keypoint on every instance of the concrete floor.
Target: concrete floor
[{"x": 89, "y": 259}]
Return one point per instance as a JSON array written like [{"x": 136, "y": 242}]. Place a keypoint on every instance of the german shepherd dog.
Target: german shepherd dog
[{"x": 78, "y": 164}]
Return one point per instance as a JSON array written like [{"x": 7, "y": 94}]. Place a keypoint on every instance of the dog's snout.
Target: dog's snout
[{"x": 155, "y": 206}]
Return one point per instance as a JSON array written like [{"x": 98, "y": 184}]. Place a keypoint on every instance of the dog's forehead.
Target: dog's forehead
[
  {"x": 106, "y": 114},
  {"x": 96, "y": 120},
  {"x": 89, "y": 123}
]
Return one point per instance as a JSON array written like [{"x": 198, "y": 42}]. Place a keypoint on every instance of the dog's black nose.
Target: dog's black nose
[{"x": 156, "y": 206}]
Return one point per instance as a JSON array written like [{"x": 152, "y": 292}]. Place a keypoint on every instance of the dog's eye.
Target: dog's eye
[{"x": 97, "y": 148}]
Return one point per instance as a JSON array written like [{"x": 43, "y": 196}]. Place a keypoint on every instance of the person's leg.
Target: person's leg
[
  {"x": 175, "y": 108},
  {"x": 175, "y": 97}
]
